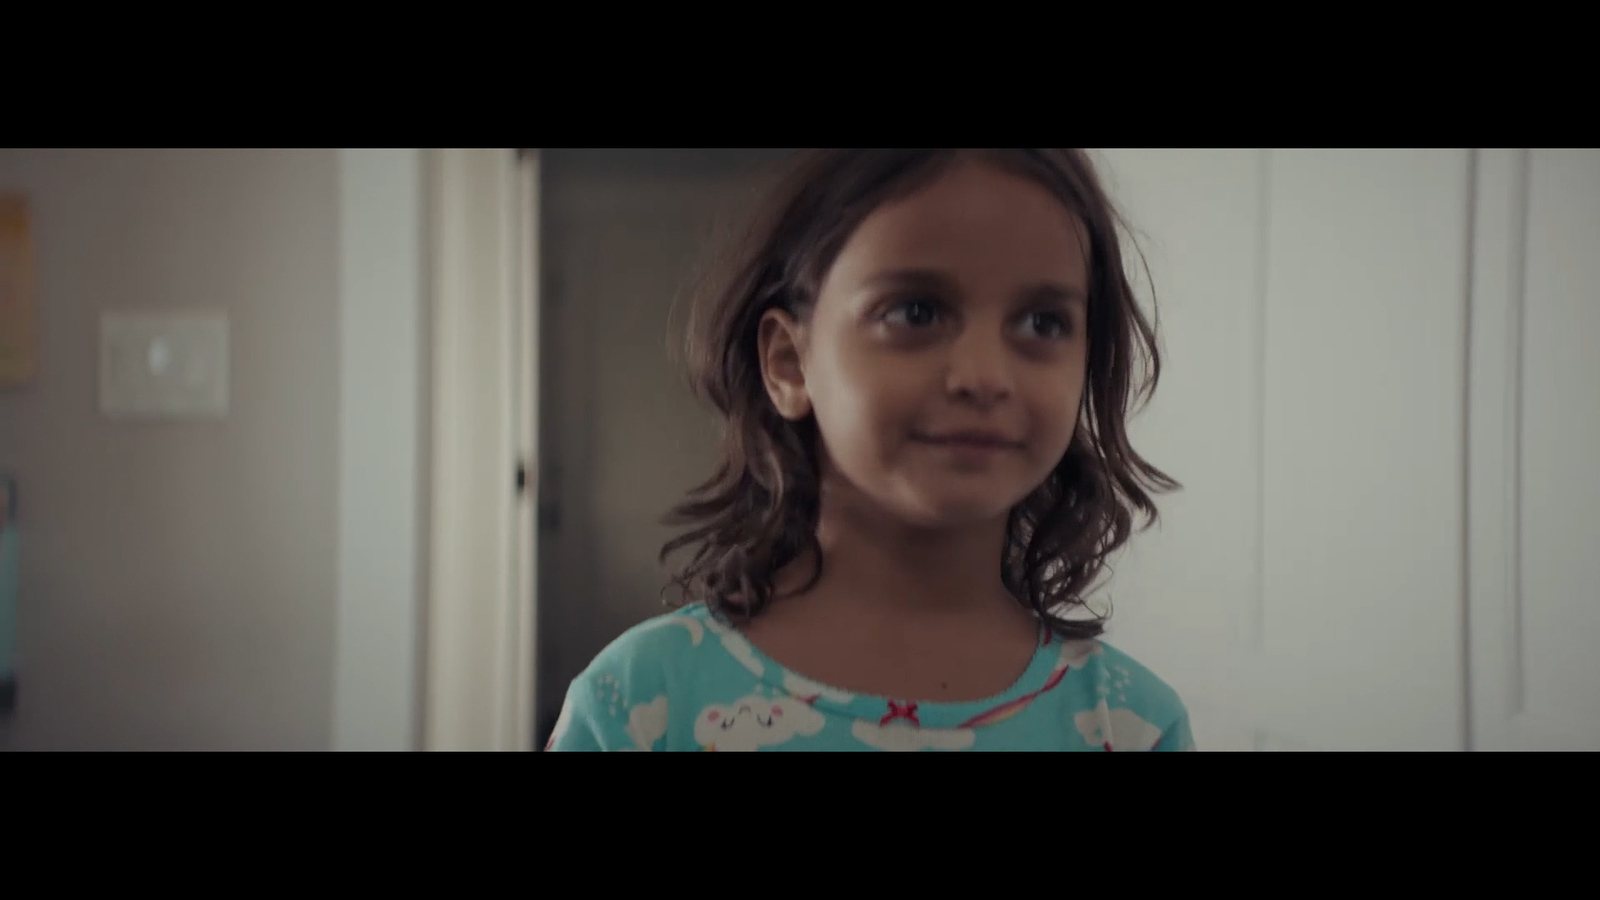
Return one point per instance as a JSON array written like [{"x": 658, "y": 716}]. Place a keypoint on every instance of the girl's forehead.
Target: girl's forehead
[{"x": 972, "y": 217}]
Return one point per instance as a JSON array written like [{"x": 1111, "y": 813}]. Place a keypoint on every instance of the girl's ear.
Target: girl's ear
[{"x": 779, "y": 340}]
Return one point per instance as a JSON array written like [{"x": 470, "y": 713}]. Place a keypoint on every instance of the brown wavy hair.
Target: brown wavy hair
[{"x": 759, "y": 512}]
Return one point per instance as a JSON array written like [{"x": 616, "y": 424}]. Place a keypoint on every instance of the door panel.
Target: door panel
[
  {"x": 1307, "y": 581},
  {"x": 1535, "y": 421}
]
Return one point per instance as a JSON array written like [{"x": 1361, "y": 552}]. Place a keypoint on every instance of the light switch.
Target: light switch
[{"x": 164, "y": 366}]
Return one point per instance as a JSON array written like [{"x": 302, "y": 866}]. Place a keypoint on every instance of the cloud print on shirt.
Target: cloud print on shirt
[
  {"x": 1116, "y": 729},
  {"x": 647, "y": 723},
  {"x": 900, "y": 736},
  {"x": 1076, "y": 654},
  {"x": 753, "y": 722}
]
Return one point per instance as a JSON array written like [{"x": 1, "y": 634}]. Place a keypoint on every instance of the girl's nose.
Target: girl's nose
[{"x": 979, "y": 368}]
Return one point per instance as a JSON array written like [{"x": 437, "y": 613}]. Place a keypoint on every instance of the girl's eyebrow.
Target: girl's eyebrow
[
  {"x": 1051, "y": 292},
  {"x": 932, "y": 279},
  {"x": 920, "y": 278}
]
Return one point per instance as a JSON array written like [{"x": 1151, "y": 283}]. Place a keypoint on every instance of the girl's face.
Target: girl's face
[{"x": 944, "y": 360}]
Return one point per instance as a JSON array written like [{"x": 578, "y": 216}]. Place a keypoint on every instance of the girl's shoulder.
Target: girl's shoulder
[
  {"x": 1133, "y": 678},
  {"x": 621, "y": 700},
  {"x": 1126, "y": 699},
  {"x": 655, "y": 645}
]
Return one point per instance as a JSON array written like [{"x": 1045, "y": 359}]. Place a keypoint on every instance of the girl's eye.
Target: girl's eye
[
  {"x": 1045, "y": 324},
  {"x": 913, "y": 313}
]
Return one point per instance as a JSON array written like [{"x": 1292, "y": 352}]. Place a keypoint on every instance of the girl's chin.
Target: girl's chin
[{"x": 956, "y": 512}]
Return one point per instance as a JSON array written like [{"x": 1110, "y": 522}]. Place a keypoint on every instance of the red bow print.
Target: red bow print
[{"x": 907, "y": 711}]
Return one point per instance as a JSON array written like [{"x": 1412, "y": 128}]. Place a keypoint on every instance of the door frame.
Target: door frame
[{"x": 478, "y": 677}]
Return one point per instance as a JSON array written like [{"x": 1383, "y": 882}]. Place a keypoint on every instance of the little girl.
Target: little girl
[{"x": 923, "y": 360}]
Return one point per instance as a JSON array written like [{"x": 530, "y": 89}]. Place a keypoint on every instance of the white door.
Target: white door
[
  {"x": 1534, "y": 507},
  {"x": 1305, "y": 589}
]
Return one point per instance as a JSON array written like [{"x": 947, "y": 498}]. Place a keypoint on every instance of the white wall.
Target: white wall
[{"x": 248, "y": 584}]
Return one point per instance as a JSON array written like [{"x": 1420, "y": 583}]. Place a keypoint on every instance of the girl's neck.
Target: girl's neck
[{"x": 876, "y": 564}]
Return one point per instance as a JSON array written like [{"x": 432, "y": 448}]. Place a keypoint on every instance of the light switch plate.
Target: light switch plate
[{"x": 171, "y": 366}]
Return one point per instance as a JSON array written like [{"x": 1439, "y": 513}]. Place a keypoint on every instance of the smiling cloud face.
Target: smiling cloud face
[{"x": 753, "y": 722}]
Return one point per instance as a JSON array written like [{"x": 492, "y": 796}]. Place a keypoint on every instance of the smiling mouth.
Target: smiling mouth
[{"x": 970, "y": 441}]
